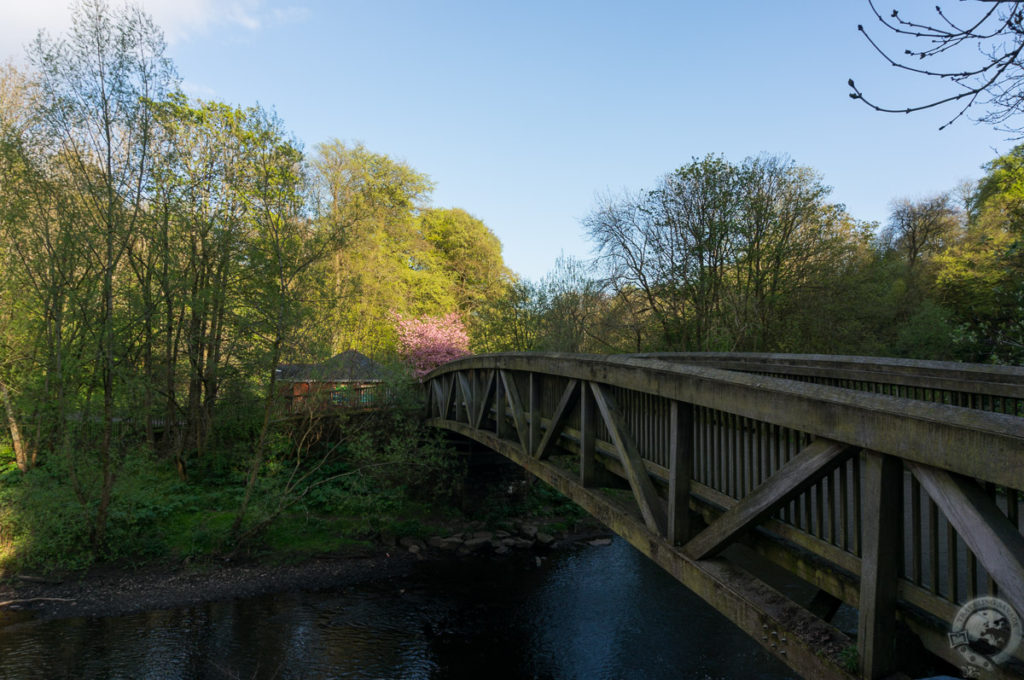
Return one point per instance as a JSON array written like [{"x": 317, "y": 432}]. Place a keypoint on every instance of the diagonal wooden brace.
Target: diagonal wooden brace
[
  {"x": 516, "y": 404},
  {"x": 438, "y": 392},
  {"x": 557, "y": 422},
  {"x": 467, "y": 397},
  {"x": 804, "y": 470},
  {"x": 449, "y": 394},
  {"x": 652, "y": 507},
  {"x": 484, "y": 402},
  {"x": 982, "y": 525}
]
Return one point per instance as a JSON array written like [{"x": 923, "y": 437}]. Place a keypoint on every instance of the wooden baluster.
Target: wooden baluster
[
  {"x": 952, "y": 565},
  {"x": 933, "y": 547},
  {"x": 819, "y": 509},
  {"x": 857, "y": 524},
  {"x": 844, "y": 516},
  {"x": 680, "y": 455},
  {"x": 915, "y": 530}
]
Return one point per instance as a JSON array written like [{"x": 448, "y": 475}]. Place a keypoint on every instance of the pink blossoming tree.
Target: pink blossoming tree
[{"x": 427, "y": 342}]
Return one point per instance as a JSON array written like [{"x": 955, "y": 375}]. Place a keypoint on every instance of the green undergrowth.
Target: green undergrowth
[
  {"x": 358, "y": 493},
  {"x": 385, "y": 476},
  {"x": 388, "y": 476}
]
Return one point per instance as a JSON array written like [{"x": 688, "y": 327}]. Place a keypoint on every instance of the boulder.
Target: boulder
[
  {"x": 475, "y": 544},
  {"x": 409, "y": 541}
]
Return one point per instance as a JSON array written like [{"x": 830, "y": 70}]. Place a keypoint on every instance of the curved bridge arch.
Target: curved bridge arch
[{"x": 854, "y": 474}]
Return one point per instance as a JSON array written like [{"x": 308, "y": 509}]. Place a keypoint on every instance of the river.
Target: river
[{"x": 590, "y": 613}]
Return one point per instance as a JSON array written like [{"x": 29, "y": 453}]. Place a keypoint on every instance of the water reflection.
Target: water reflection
[{"x": 601, "y": 612}]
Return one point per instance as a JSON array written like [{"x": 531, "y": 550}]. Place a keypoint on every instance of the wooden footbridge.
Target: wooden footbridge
[{"x": 892, "y": 486}]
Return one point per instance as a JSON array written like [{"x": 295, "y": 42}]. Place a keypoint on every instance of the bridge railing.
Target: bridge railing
[
  {"x": 903, "y": 506},
  {"x": 977, "y": 386}
]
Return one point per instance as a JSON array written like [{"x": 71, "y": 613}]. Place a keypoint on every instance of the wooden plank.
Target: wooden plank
[
  {"x": 680, "y": 465},
  {"x": 516, "y": 404},
  {"x": 995, "y": 541},
  {"x": 879, "y": 570},
  {"x": 557, "y": 420},
  {"x": 651, "y": 505},
  {"x": 817, "y": 459}
]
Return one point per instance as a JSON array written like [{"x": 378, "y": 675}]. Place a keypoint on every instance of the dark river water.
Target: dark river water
[{"x": 596, "y": 612}]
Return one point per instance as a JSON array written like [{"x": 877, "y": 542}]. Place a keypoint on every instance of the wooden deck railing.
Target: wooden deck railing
[
  {"x": 893, "y": 487},
  {"x": 978, "y": 386}
]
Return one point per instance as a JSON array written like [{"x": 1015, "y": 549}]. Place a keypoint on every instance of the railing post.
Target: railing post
[
  {"x": 882, "y": 548},
  {"x": 680, "y": 458}
]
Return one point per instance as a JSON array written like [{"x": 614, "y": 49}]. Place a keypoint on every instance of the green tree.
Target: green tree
[
  {"x": 283, "y": 246},
  {"x": 512, "y": 321},
  {"x": 467, "y": 252},
  {"x": 386, "y": 265},
  {"x": 919, "y": 229},
  {"x": 715, "y": 253},
  {"x": 573, "y": 302},
  {"x": 96, "y": 122},
  {"x": 981, "y": 276}
]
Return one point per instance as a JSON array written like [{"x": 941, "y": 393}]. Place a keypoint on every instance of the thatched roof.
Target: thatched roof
[{"x": 349, "y": 366}]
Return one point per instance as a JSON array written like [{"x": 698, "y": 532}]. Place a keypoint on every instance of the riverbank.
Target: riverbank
[{"x": 114, "y": 590}]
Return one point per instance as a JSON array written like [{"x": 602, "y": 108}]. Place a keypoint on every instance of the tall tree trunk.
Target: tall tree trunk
[{"x": 21, "y": 455}]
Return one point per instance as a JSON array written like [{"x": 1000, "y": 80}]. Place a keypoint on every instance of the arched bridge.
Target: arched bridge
[{"x": 892, "y": 486}]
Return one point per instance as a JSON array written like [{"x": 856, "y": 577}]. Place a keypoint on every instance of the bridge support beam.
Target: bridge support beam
[{"x": 879, "y": 576}]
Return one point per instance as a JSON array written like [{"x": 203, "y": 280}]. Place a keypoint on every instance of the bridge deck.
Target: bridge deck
[{"x": 892, "y": 486}]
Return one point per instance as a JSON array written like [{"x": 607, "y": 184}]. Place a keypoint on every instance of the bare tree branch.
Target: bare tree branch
[{"x": 995, "y": 84}]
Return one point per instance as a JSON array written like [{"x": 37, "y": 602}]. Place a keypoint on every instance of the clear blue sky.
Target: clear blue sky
[{"x": 522, "y": 111}]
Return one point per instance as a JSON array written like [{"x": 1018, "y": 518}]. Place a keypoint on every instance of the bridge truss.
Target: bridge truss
[{"x": 892, "y": 486}]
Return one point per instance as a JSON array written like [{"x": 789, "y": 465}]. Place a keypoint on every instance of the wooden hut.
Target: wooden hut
[{"x": 348, "y": 380}]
